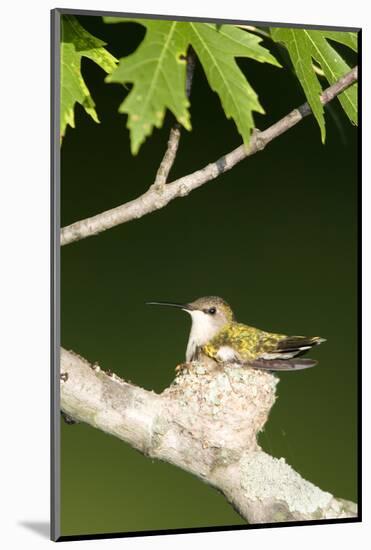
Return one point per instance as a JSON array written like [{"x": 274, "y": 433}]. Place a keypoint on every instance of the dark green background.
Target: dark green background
[{"x": 276, "y": 237}]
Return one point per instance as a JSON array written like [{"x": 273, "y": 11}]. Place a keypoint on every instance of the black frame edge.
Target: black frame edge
[
  {"x": 54, "y": 277},
  {"x": 97, "y": 13},
  {"x": 131, "y": 534}
]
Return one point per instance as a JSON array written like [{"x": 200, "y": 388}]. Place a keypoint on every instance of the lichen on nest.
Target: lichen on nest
[{"x": 229, "y": 403}]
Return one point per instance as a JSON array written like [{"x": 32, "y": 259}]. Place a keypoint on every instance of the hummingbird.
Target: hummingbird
[{"x": 216, "y": 334}]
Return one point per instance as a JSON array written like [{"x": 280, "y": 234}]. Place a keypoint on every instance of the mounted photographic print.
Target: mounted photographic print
[{"x": 205, "y": 262}]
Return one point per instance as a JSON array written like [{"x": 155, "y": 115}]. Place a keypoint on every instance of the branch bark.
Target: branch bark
[
  {"x": 158, "y": 197},
  {"x": 206, "y": 423}
]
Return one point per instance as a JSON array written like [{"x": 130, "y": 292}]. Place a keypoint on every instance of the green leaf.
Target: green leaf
[
  {"x": 347, "y": 38},
  {"x": 157, "y": 70},
  {"x": 304, "y": 46},
  {"x": 77, "y": 42},
  {"x": 334, "y": 67},
  {"x": 217, "y": 49}
]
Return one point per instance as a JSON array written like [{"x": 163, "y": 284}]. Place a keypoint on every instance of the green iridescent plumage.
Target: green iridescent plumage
[{"x": 249, "y": 342}]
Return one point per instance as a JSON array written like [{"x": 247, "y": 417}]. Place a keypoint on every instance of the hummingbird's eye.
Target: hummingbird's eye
[{"x": 212, "y": 310}]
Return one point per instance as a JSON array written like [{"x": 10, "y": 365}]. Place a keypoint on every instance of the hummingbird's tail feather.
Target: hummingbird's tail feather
[
  {"x": 299, "y": 343},
  {"x": 282, "y": 364}
]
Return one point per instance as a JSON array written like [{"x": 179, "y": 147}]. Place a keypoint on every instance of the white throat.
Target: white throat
[{"x": 202, "y": 331}]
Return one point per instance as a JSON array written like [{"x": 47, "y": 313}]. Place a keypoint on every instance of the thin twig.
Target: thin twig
[
  {"x": 174, "y": 137},
  {"x": 169, "y": 157},
  {"x": 153, "y": 200}
]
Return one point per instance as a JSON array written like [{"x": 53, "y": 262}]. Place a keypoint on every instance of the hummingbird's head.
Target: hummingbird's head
[
  {"x": 209, "y": 315},
  {"x": 213, "y": 307}
]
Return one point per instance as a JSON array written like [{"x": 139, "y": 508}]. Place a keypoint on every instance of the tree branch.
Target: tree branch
[
  {"x": 156, "y": 198},
  {"x": 206, "y": 423}
]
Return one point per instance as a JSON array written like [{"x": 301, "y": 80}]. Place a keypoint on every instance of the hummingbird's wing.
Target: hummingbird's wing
[
  {"x": 287, "y": 347},
  {"x": 281, "y": 353}
]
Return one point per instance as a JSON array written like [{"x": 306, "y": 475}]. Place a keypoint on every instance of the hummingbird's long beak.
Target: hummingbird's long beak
[{"x": 187, "y": 307}]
